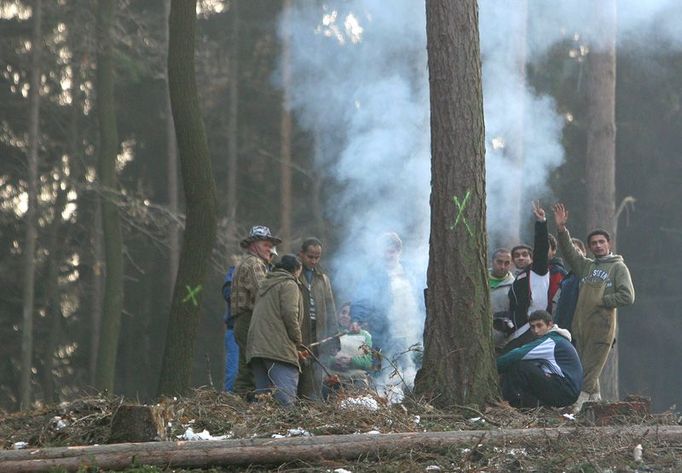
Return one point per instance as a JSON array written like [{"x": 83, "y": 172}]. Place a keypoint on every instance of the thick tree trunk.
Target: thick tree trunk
[
  {"x": 286, "y": 205},
  {"x": 197, "y": 179},
  {"x": 600, "y": 174},
  {"x": 171, "y": 178},
  {"x": 32, "y": 211},
  {"x": 111, "y": 225},
  {"x": 458, "y": 365},
  {"x": 311, "y": 450}
]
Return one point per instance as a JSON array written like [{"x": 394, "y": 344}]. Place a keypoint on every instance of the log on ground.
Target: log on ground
[{"x": 203, "y": 454}]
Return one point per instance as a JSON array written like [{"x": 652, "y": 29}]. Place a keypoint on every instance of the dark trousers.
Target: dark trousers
[
  {"x": 244, "y": 382},
  {"x": 525, "y": 384}
]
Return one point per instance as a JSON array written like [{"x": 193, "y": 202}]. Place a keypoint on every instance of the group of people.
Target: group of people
[
  {"x": 282, "y": 325},
  {"x": 553, "y": 325},
  {"x": 553, "y": 329}
]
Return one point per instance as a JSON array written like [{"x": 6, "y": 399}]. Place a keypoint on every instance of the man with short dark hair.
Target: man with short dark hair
[
  {"x": 545, "y": 371},
  {"x": 500, "y": 279},
  {"x": 605, "y": 284},
  {"x": 530, "y": 288},
  {"x": 319, "y": 321}
]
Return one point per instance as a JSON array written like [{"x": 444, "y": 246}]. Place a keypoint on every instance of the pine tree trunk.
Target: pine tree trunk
[
  {"x": 601, "y": 150},
  {"x": 172, "y": 178},
  {"x": 233, "y": 125},
  {"x": 285, "y": 144},
  {"x": 458, "y": 366},
  {"x": 199, "y": 187},
  {"x": 32, "y": 211},
  {"x": 111, "y": 225}
]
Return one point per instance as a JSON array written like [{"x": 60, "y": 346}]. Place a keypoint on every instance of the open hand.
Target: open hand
[{"x": 560, "y": 216}]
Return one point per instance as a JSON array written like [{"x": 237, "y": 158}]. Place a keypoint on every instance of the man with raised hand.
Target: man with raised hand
[
  {"x": 529, "y": 291},
  {"x": 605, "y": 284}
]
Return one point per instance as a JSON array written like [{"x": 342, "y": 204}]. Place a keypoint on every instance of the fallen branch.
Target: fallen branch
[{"x": 203, "y": 454}]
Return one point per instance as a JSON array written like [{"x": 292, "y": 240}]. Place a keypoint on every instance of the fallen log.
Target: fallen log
[{"x": 204, "y": 454}]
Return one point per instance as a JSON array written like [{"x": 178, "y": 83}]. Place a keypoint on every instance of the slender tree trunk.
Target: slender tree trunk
[
  {"x": 53, "y": 314},
  {"x": 601, "y": 149},
  {"x": 458, "y": 366},
  {"x": 32, "y": 211},
  {"x": 285, "y": 146},
  {"x": 197, "y": 179},
  {"x": 111, "y": 225},
  {"x": 97, "y": 296},
  {"x": 172, "y": 177},
  {"x": 233, "y": 124}
]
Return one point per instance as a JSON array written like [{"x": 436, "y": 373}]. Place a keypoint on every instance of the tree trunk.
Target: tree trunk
[
  {"x": 197, "y": 180},
  {"x": 111, "y": 225},
  {"x": 32, "y": 211},
  {"x": 458, "y": 366},
  {"x": 53, "y": 313},
  {"x": 317, "y": 450},
  {"x": 233, "y": 126},
  {"x": 601, "y": 150},
  {"x": 285, "y": 135},
  {"x": 171, "y": 176}
]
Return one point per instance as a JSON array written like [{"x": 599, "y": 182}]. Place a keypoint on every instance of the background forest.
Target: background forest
[{"x": 272, "y": 161}]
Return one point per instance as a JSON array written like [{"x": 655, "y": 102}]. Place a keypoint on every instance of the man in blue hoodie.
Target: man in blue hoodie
[{"x": 545, "y": 371}]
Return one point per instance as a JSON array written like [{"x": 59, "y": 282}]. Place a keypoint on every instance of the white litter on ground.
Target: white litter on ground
[
  {"x": 637, "y": 453},
  {"x": 433, "y": 468},
  {"x": 364, "y": 402},
  {"x": 569, "y": 416},
  {"x": 342, "y": 470},
  {"x": 373, "y": 432},
  {"x": 204, "y": 435},
  {"x": 19, "y": 445}
]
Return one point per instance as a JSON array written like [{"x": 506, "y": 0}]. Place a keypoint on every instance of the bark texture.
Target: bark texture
[
  {"x": 200, "y": 196},
  {"x": 458, "y": 365},
  {"x": 111, "y": 222},
  {"x": 214, "y": 453},
  {"x": 32, "y": 212},
  {"x": 600, "y": 174}
]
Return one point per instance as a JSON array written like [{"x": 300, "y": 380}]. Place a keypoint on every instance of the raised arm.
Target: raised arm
[
  {"x": 575, "y": 260},
  {"x": 541, "y": 243}
]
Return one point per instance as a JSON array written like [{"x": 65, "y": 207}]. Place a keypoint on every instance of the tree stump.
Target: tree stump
[
  {"x": 619, "y": 412},
  {"x": 138, "y": 424}
]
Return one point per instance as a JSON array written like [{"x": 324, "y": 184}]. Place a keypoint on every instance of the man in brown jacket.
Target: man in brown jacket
[
  {"x": 248, "y": 275},
  {"x": 605, "y": 284},
  {"x": 319, "y": 321}
]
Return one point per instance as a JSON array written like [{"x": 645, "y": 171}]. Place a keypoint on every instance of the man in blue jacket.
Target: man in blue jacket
[{"x": 545, "y": 371}]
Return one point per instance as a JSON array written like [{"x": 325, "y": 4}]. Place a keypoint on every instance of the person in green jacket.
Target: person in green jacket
[
  {"x": 274, "y": 344},
  {"x": 605, "y": 284}
]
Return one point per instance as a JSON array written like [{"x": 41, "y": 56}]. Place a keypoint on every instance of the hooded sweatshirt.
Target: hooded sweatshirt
[
  {"x": 275, "y": 330},
  {"x": 554, "y": 351},
  {"x": 605, "y": 284}
]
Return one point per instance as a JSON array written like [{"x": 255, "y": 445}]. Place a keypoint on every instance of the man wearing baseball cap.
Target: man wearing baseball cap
[{"x": 248, "y": 275}]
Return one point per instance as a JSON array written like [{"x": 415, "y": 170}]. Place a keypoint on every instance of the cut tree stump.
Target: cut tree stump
[
  {"x": 138, "y": 424},
  {"x": 630, "y": 410},
  {"x": 205, "y": 454}
]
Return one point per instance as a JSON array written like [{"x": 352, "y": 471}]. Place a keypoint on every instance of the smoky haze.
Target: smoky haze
[{"x": 360, "y": 87}]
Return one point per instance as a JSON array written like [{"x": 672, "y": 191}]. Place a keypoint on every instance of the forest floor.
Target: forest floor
[{"x": 87, "y": 421}]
